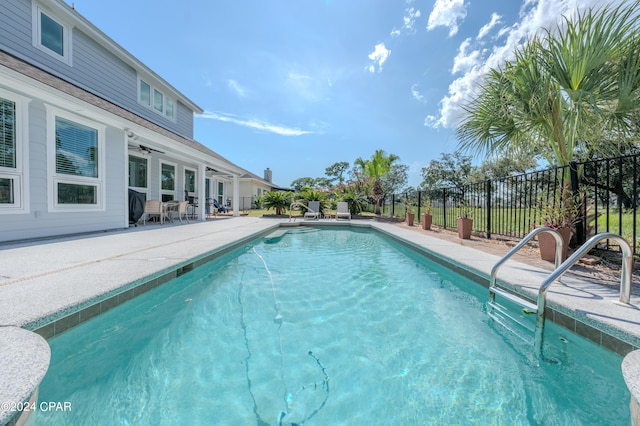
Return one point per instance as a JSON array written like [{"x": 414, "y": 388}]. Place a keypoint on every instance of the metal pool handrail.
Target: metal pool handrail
[
  {"x": 530, "y": 235},
  {"x": 625, "y": 278},
  {"x": 298, "y": 203}
]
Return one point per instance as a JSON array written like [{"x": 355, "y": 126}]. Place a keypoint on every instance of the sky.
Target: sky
[{"x": 298, "y": 85}]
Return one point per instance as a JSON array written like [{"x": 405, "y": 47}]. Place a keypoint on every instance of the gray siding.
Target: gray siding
[{"x": 93, "y": 68}]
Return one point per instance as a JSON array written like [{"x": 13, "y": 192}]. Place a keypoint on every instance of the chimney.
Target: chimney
[{"x": 268, "y": 175}]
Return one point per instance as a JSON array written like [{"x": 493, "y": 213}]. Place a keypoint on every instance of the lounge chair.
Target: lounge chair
[
  {"x": 343, "y": 210},
  {"x": 313, "y": 210},
  {"x": 152, "y": 208}
]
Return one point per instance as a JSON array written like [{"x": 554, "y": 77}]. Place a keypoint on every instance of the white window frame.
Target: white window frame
[
  {"x": 36, "y": 33},
  {"x": 56, "y": 178},
  {"x": 18, "y": 174},
  {"x": 152, "y": 94},
  {"x": 195, "y": 181},
  {"x": 140, "y": 188},
  {"x": 175, "y": 180}
]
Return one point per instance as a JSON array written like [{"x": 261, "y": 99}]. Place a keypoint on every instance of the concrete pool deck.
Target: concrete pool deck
[{"x": 52, "y": 285}]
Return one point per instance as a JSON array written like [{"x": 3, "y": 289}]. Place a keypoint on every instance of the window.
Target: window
[
  {"x": 221, "y": 193},
  {"x": 137, "y": 172},
  {"x": 158, "y": 101},
  {"x": 190, "y": 180},
  {"x": 76, "y": 161},
  {"x": 7, "y": 134},
  {"x": 11, "y": 155},
  {"x": 145, "y": 93},
  {"x": 76, "y": 149},
  {"x": 168, "y": 111},
  {"x": 51, "y": 35},
  {"x": 154, "y": 98},
  {"x": 7, "y": 193},
  {"x": 167, "y": 181}
]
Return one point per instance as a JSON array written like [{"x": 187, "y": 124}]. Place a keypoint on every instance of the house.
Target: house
[
  {"x": 253, "y": 186},
  {"x": 81, "y": 121}
]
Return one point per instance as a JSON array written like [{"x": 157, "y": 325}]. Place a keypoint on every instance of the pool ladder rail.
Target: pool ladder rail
[{"x": 502, "y": 315}]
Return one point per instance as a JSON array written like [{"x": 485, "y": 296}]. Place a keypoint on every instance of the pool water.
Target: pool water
[{"x": 322, "y": 327}]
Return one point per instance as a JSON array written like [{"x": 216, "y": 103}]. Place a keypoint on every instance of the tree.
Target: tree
[
  {"x": 451, "y": 170},
  {"x": 277, "y": 200},
  {"x": 375, "y": 168},
  {"x": 337, "y": 170},
  {"x": 299, "y": 183},
  {"x": 565, "y": 91},
  {"x": 395, "y": 180}
]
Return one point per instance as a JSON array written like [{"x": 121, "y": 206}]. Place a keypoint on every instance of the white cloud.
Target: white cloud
[
  {"x": 534, "y": 15},
  {"x": 464, "y": 61},
  {"x": 378, "y": 56},
  {"x": 495, "y": 20},
  {"x": 237, "y": 88},
  {"x": 409, "y": 21},
  {"x": 447, "y": 13},
  {"x": 255, "y": 124},
  {"x": 415, "y": 93}
]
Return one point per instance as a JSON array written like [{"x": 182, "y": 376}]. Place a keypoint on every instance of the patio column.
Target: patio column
[
  {"x": 200, "y": 193},
  {"x": 236, "y": 195}
]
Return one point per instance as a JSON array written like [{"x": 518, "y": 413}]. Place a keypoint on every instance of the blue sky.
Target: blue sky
[{"x": 297, "y": 85}]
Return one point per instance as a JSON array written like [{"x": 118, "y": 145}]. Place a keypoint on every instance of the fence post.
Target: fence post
[
  {"x": 419, "y": 205},
  {"x": 393, "y": 205},
  {"x": 444, "y": 208},
  {"x": 488, "y": 207},
  {"x": 575, "y": 189}
]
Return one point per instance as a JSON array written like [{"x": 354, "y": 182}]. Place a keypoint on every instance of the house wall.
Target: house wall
[
  {"x": 38, "y": 219},
  {"x": 93, "y": 67}
]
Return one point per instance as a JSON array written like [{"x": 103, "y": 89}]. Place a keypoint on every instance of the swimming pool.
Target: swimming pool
[{"x": 329, "y": 326}]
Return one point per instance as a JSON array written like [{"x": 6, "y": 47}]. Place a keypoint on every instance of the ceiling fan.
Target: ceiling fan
[{"x": 141, "y": 148}]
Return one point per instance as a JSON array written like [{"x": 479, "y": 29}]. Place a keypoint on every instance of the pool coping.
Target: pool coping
[{"x": 197, "y": 245}]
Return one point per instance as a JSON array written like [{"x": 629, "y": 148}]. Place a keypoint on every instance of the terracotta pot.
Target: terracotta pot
[
  {"x": 427, "y": 219},
  {"x": 410, "y": 218},
  {"x": 547, "y": 244},
  {"x": 465, "y": 225}
]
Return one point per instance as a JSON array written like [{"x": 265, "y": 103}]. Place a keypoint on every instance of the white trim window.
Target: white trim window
[
  {"x": 190, "y": 181},
  {"x": 12, "y": 156},
  {"x": 156, "y": 100},
  {"x": 50, "y": 34},
  {"x": 167, "y": 181},
  {"x": 138, "y": 173},
  {"x": 76, "y": 162}
]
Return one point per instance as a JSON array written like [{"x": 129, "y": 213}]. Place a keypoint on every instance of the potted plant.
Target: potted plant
[
  {"x": 465, "y": 223},
  {"x": 559, "y": 213},
  {"x": 427, "y": 218},
  {"x": 409, "y": 214}
]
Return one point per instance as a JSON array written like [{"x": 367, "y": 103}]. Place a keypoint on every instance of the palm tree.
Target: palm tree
[
  {"x": 565, "y": 91},
  {"x": 376, "y": 167}
]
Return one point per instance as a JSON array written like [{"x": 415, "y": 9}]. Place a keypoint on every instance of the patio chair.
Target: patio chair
[
  {"x": 313, "y": 210},
  {"x": 182, "y": 211},
  {"x": 152, "y": 208},
  {"x": 343, "y": 210}
]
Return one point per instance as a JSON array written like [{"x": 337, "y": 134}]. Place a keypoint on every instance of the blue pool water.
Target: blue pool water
[{"x": 322, "y": 327}]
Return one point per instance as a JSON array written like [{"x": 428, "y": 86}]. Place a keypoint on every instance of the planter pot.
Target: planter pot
[
  {"x": 547, "y": 244},
  {"x": 427, "y": 219},
  {"x": 410, "y": 218},
  {"x": 464, "y": 227}
]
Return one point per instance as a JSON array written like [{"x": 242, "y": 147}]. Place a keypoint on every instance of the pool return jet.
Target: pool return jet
[{"x": 560, "y": 269}]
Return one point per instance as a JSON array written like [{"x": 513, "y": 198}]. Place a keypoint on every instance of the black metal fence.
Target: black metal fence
[{"x": 606, "y": 190}]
